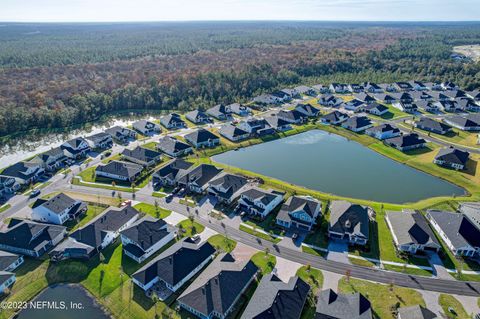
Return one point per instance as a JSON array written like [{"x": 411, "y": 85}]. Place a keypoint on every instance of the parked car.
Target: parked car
[{"x": 34, "y": 193}]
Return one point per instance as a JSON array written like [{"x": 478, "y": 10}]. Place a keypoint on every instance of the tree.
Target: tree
[
  {"x": 348, "y": 273},
  {"x": 157, "y": 209}
]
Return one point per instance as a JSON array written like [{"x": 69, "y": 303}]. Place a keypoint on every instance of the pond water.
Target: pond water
[
  {"x": 332, "y": 164},
  {"x": 70, "y": 295}
]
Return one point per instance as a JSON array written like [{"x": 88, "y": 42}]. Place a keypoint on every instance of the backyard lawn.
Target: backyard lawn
[
  {"x": 222, "y": 243},
  {"x": 384, "y": 298},
  {"x": 448, "y": 301}
]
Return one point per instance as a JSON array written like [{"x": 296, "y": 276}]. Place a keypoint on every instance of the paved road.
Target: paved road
[{"x": 365, "y": 273}]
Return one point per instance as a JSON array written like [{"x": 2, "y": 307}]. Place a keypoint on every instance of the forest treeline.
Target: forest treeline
[{"x": 83, "y": 77}]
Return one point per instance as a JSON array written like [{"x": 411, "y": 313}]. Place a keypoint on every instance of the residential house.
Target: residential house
[
  {"x": 418, "y": 86},
  {"x": 439, "y": 96},
  {"x": 452, "y": 157},
  {"x": 99, "y": 233},
  {"x": 329, "y": 100},
  {"x": 404, "y": 97},
  {"x": 464, "y": 123},
  {"x": 430, "y": 125},
  {"x": 145, "y": 237},
  {"x": 388, "y": 87},
  {"x": 364, "y": 97},
  {"x": 142, "y": 156},
  {"x": 30, "y": 238},
  {"x": 434, "y": 86},
  {"x": 292, "y": 116},
  {"x": 58, "y": 209},
  {"x": 403, "y": 86},
  {"x": 259, "y": 202},
  {"x": 220, "y": 112},
  {"x": 256, "y": 126},
  {"x": 406, "y": 142},
  {"x": 100, "y": 140},
  {"x": 349, "y": 222},
  {"x": 7, "y": 279},
  {"x": 198, "y": 117},
  {"x": 355, "y": 88},
  {"x": 427, "y": 106},
  {"x": 239, "y": 109},
  {"x": 447, "y": 106},
  {"x": 305, "y": 90},
  {"x": 340, "y": 88},
  {"x": 320, "y": 88},
  {"x": 459, "y": 231},
  {"x": 357, "y": 124},
  {"x": 278, "y": 124},
  {"x": 196, "y": 179},
  {"x": 342, "y": 306},
  {"x": 226, "y": 187},
  {"x": 353, "y": 105},
  {"x": 415, "y": 312},
  {"x": 411, "y": 108},
  {"x": 215, "y": 292},
  {"x": 421, "y": 96},
  {"x": 202, "y": 138},
  {"x": 121, "y": 134},
  {"x": 172, "y": 121},
  {"x": 233, "y": 133},
  {"x": 455, "y": 94},
  {"x": 267, "y": 99},
  {"x": 448, "y": 85},
  {"x": 299, "y": 212},
  {"x": 374, "y": 108},
  {"x": 281, "y": 96},
  {"x": 173, "y": 147},
  {"x": 52, "y": 160},
  {"x": 8, "y": 185},
  {"x": 292, "y": 93},
  {"x": 383, "y": 131},
  {"x": 335, "y": 117},
  {"x": 467, "y": 104},
  {"x": 9, "y": 261},
  {"x": 307, "y": 110},
  {"x": 411, "y": 233},
  {"x": 146, "y": 127},
  {"x": 175, "y": 266},
  {"x": 76, "y": 148},
  {"x": 372, "y": 87},
  {"x": 24, "y": 173},
  {"x": 475, "y": 95},
  {"x": 276, "y": 299},
  {"x": 385, "y": 98},
  {"x": 168, "y": 175},
  {"x": 120, "y": 171}
]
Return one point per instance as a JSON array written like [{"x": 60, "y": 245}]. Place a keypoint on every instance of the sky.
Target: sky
[{"x": 187, "y": 10}]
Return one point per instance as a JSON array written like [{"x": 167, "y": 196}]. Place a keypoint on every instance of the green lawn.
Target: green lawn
[
  {"x": 189, "y": 228},
  {"x": 448, "y": 301},
  {"x": 157, "y": 212},
  {"x": 259, "y": 234},
  {"x": 222, "y": 243},
  {"x": 266, "y": 262},
  {"x": 91, "y": 213},
  {"x": 312, "y": 276},
  {"x": 361, "y": 262},
  {"x": 312, "y": 251},
  {"x": 411, "y": 271},
  {"x": 4, "y": 207},
  {"x": 384, "y": 298}
]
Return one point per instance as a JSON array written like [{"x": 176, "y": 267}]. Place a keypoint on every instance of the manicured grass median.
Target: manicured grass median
[
  {"x": 266, "y": 262},
  {"x": 384, "y": 298},
  {"x": 157, "y": 212},
  {"x": 4, "y": 207},
  {"x": 259, "y": 234},
  {"x": 448, "y": 301},
  {"x": 189, "y": 228},
  {"x": 222, "y": 243}
]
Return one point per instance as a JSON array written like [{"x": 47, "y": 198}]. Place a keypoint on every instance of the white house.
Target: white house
[
  {"x": 258, "y": 202},
  {"x": 58, "y": 209},
  {"x": 76, "y": 148}
]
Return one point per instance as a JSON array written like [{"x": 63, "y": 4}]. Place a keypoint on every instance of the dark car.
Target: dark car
[{"x": 34, "y": 193}]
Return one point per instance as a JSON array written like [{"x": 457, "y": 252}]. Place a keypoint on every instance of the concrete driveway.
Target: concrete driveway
[
  {"x": 338, "y": 251},
  {"x": 439, "y": 269},
  {"x": 285, "y": 268}
]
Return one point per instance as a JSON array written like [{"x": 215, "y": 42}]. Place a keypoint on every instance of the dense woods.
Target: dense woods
[{"x": 58, "y": 75}]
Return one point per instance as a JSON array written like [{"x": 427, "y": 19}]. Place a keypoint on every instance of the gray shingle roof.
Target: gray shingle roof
[
  {"x": 297, "y": 203},
  {"x": 171, "y": 145},
  {"x": 58, "y": 203},
  {"x": 218, "y": 287},
  {"x": 200, "y": 175},
  {"x": 173, "y": 169},
  {"x": 147, "y": 231},
  {"x": 200, "y": 136},
  {"x": 453, "y": 155},
  {"x": 342, "y": 306},
  {"x": 7, "y": 259},
  {"x": 274, "y": 298},
  {"x": 349, "y": 218},
  {"x": 411, "y": 228},
  {"x": 125, "y": 169},
  {"x": 415, "y": 312},
  {"x": 457, "y": 227},
  {"x": 142, "y": 154},
  {"x": 406, "y": 140},
  {"x": 231, "y": 131}
]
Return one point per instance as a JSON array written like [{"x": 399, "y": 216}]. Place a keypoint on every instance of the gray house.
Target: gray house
[
  {"x": 226, "y": 187},
  {"x": 276, "y": 299},
  {"x": 198, "y": 117},
  {"x": 142, "y": 156},
  {"x": 299, "y": 212},
  {"x": 215, "y": 292},
  {"x": 452, "y": 157},
  {"x": 120, "y": 171},
  {"x": 202, "y": 138},
  {"x": 169, "y": 174},
  {"x": 342, "y": 306},
  {"x": 173, "y": 147},
  {"x": 349, "y": 222},
  {"x": 172, "y": 121},
  {"x": 430, "y": 125},
  {"x": 410, "y": 232},
  {"x": 406, "y": 142},
  {"x": 233, "y": 133}
]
